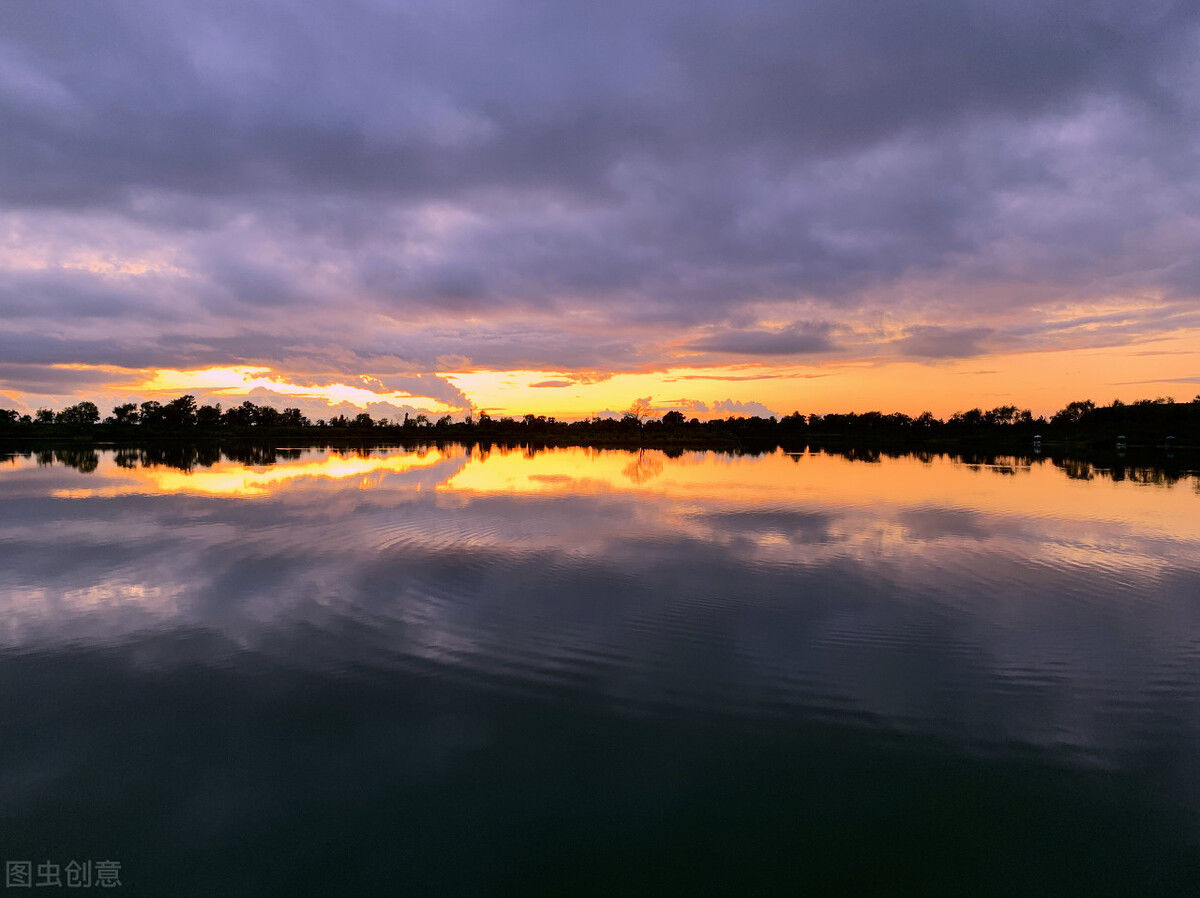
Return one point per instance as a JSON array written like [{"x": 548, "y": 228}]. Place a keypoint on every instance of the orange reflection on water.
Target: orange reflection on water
[
  {"x": 775, "y": 480},
  {"x": 780, "y": 479},
  {"x": 234, "y": 479}
]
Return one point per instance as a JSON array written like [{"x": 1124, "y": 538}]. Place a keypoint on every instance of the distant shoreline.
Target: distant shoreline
[
  {"x": 1146, "y": 426},
  {"x": 276, "y": 439}
]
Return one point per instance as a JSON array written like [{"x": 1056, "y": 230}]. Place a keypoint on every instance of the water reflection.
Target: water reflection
[
  {"x": 1004, "y": 606},
  {"x": 641, "y": 464},
  {"x": 654, "y": 579}
]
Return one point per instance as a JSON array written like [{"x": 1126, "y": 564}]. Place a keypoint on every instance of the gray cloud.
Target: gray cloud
[
  {"x": 933, "y": 342},
  {"x": 46, "y": 380},
  {"x": 800, "y": 339},
  {"x": 1169, "y": 380}
]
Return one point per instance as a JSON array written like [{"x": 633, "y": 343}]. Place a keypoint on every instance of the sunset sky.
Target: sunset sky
[{"x": 560, "y": 208}]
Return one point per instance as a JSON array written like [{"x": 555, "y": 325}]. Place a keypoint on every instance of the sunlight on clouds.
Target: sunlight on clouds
[
  {"x": 216, "y": 379},
  {"x": 1043, "y": 380},
  {"x": 101, "y": 264},
  {"x": 27, "y": 251},
  {"x": 569, "y": 395},
  {"x": 239, "y": 381}
]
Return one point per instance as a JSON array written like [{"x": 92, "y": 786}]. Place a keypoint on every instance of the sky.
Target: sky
[{"x": 561, "y": 208}]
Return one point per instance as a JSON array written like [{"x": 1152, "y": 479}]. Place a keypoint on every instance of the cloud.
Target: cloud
[
  {"x": 802, "y": 339},
  {"x": 585, "y": 188},
  {"x": 748, "y": 409},
  {"x": 315, "y": 408},
  {"x": 934, "y": 342},
  {"x": 789, "y": 375},
  {"x": 553, "y": 383},
  {"x": 1195, "y": 379},
  {"x": 430, "y": 385},
  {"x": 50, "y": 381}
]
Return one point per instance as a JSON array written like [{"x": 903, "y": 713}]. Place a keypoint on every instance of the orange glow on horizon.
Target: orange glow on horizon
[{"x": 1043, "y": 381}]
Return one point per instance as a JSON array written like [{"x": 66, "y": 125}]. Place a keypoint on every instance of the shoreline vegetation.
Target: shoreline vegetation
[
  {"x": 1151, "y": 441},
  {"x": 1081, "y": 428},
  {"x": 1161, "y": 424},
  {"x": 1145, "y": 424}
]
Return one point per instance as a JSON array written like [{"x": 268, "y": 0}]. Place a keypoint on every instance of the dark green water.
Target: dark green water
[{"x": 585, "y": 672}]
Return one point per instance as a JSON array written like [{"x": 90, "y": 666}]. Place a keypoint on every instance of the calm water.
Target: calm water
[{"x": 455, "y": 672}]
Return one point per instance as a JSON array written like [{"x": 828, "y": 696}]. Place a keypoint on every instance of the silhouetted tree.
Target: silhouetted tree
[
  {"x": 267, "y": 416},
  {"x": 1004, "y": 414},
  {"x": 243, "y": 415},
  {"x": 125, "y": 414},
  {"x": 292, "y": 417},
  {"x": 1073, "y": 413},
  {"x": 180, "y": 412},
  {"x": 79, "y": 415},
  {"x": 208, "y": 416},
  {"x": 150, "y": 414},
  {"x": 973, "y": 418}
]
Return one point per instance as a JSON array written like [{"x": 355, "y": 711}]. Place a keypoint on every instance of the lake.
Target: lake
[{"x": 574, "y": 671}]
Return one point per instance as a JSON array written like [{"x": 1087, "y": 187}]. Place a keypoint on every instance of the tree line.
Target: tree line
[{"x": 1144, "y": 421}]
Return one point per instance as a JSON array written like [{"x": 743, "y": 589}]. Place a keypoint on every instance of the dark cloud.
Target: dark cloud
[
  {"x": 801, "y": 339},
  {"x": 933, "y": 342},
  {"x": 49, "y": 381}
]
